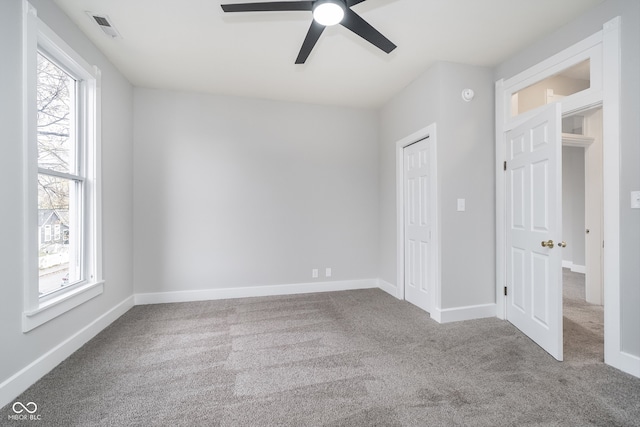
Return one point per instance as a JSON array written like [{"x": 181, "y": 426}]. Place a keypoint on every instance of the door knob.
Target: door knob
[
  {"x": 562, "y": 245},
  {"x": 547, "y": 244}
]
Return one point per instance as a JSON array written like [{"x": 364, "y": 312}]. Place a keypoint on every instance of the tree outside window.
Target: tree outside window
[{"x": 59, "y": 178}]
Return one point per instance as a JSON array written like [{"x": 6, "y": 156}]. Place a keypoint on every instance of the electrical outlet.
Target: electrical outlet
[
  {"x": 461, "y": 205},
  {"x": 314, "y": 273},
  {"x": 327, "y": 272}
]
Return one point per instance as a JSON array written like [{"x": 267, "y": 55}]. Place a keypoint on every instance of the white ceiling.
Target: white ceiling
[{"x": 192, "y": 45}]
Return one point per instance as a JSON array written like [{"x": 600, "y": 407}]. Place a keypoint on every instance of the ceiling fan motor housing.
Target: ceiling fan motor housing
[{"x": 329, "y": 12}]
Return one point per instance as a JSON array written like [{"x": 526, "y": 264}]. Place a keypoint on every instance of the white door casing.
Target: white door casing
[
  {"x": 533, "y": 218},
  {"x": 417, "y": 224},
  {"x": 604, "y": 91}
]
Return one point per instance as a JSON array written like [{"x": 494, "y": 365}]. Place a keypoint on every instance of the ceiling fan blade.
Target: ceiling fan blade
[
  {"x": 270, "y": 6},
  {"x": 353, "y": 2},
  {"x": 355, "y": 23},
  {"x": 310, "y": 41}
]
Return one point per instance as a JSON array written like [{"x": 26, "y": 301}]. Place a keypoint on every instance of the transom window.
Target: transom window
[{"x": 572, "y": 80}]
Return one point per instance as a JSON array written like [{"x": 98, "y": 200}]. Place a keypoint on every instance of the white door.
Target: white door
[
  {"x": 534, "y": 229},
  {"x": 417, "y": 224}
]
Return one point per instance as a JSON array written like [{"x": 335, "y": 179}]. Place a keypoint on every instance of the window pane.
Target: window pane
[
  {"x": 56, "y": 117},
  {"x": 59, "y": 232},
  {"x": 568, "y": 82}
]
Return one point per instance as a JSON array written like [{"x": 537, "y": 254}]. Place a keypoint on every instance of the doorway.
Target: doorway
[
  {"x": 417, "y": 224},
  {"x": 418, "y": 247},
  {"x": 583, "y": 199},
  {"x": 603, "y": 50},
  {"x": 583, "y": 284}
]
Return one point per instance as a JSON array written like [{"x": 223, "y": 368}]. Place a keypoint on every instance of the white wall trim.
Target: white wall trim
[
  {"x": 59, "y": 305},
  {"x": 574, "y": 267},
  {"x": 613, "y": 352},
  {"x": 457, "y": 314},
  {"x": 501, "y": 207},
  {"x": 579, "y": 268},
  {"x": 27, "y": 376},
  {"x": 626, "y": 362},
  {"x": 389, "y": 288},
  {"x": 253, "y": 291}
]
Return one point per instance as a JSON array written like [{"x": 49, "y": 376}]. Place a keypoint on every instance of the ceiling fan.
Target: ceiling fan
[{"x": 325, "y": 13}]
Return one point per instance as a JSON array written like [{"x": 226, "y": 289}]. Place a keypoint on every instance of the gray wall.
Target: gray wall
[
  {"x": 465, "y": 159},
  {"x": 236, "y": 192},
  {"x": 570, "y": 34},
  {"x": 19, "y": 349},
  {"x": 573, "y": 209}
]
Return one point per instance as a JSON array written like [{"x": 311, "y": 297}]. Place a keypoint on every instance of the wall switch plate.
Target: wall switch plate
[
  {"x": 327, "y": 272},
  {"x": 461, "y": 205},
  {"x": 635, "y": 200},
  {"x": 314, "y": 273}
]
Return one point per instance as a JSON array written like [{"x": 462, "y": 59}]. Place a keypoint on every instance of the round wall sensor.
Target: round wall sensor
[{"x": 468, "y": 94}]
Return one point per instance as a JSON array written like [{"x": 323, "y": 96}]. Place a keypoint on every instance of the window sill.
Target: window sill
[{"x": 55, "y": 307}]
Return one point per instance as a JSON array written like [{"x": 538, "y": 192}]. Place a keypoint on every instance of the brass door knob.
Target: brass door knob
[
  {"x": 562, "y": 245},
  {"x": 547, "y": 244}
]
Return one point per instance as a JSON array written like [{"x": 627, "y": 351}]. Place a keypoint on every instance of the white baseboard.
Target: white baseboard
[
  {"x": 253, "y": 291},
  {"x": 579, "y": 269},
  {"x": 630, "y": 364},
  {"x": 623, "y": 361},
  {"x": 27, "y": 376},
  {"x": 458, "y": 314},
  {"x": 389, "y": 288},
  {"x": 574, "y": 267}
]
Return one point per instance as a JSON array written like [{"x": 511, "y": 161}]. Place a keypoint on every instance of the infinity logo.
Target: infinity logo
[{"x": 22, "y": 407}]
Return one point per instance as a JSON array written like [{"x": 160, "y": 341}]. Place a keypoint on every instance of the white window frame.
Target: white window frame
[{"x": 37, "y": 310}]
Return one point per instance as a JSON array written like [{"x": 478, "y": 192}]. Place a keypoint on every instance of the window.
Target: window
[
  {"x": 61, "y": 177},
  {"x": 574, "y": 79},
  {"x": 62, "y": 144}
]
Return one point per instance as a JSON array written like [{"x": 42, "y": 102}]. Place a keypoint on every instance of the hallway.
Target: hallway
[{"x": 583, "y": 322}]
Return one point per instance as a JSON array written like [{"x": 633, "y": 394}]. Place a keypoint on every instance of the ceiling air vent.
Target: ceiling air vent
[{"x": 105, "y": 25}]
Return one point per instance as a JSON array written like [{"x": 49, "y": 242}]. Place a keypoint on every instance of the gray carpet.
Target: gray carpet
[
  {"x": 583, "y": 322},
  {"x": 356, "y": 358}
]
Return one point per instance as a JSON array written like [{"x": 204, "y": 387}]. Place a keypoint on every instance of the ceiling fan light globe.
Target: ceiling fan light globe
[{"x": 328, "y": 13}]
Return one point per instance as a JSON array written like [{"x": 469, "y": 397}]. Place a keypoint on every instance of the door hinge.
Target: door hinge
[
  {"x": 505, "y": 165},
  {"x": 505, "y": 291}
]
